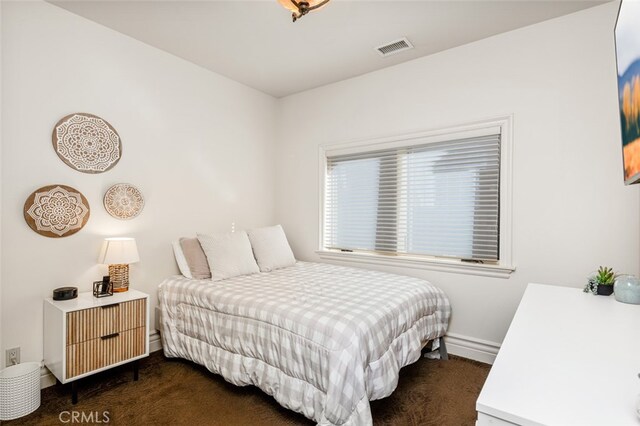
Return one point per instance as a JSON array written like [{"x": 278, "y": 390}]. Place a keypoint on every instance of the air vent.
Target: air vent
[{"x": 394, "y": 47}]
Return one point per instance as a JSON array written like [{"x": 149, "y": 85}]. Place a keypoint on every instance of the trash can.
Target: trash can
[{"x": 19, "y": 390}]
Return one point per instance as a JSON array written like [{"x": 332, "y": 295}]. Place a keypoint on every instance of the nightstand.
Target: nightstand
[{"x": 85, "y": 335}]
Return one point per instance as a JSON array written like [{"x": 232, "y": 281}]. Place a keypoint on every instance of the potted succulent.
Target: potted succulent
[{"x": 601, "y": 282}]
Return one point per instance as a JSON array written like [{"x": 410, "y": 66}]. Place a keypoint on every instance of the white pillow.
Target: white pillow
[
  {"x": 271, "y": 248},
  {"x": 181, "y": 260},
  {"x": 228, "y": 255}
]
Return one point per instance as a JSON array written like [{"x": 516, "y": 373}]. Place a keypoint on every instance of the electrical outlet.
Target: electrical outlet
[{"x": 12, "y": 357}]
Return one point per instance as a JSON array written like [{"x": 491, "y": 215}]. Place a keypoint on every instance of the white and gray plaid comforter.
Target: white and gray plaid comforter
[{"x": 324, "y": 340}]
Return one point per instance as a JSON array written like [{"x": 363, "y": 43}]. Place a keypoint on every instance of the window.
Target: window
[{"x": 428, "y": 196}]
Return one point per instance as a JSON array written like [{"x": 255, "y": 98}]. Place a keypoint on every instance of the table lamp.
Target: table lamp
[{"x": 118, "y": 253}]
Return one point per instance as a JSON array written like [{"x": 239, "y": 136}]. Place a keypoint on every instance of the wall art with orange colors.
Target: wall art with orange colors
[{"x": 627, "y": 36}]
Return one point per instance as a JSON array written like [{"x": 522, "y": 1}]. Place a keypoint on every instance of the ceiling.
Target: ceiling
[{"x": 255, "y": 42}]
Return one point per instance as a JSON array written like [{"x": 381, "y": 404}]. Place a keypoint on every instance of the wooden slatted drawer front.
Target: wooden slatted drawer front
[
  {"x": 93, "y": 323},
  {"x": 133, "y": 314},
  {"x": 104, "y": 351}
]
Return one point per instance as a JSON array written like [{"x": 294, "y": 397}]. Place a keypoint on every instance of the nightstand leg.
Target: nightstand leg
[
  {"x": 74, "y": 392},
  {"x": 136, "y": 368}
]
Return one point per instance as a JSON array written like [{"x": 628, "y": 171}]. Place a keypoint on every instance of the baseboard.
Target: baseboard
[
  {"x": 47, "y": 379},
  {"x": 155, "y": 343},
  {"x": 472, "y": 348}
]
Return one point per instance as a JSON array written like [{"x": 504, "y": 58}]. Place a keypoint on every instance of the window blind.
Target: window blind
[{"x": 436, "y": 199}]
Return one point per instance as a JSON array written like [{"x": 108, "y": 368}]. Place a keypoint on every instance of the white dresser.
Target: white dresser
[{"x": 569, "y": 358}]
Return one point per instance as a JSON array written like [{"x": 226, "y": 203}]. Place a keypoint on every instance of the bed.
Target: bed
[{"x": 323, "y": 340}]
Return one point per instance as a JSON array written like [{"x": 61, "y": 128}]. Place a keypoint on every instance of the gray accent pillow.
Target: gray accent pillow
[{"x": 196, "y": 259}]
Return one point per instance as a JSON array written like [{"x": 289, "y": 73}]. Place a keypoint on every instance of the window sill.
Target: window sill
[{"x": 441, "y": 265}]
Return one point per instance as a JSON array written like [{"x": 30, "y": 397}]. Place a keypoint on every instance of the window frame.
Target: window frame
[{"x": 502, "y": 269}]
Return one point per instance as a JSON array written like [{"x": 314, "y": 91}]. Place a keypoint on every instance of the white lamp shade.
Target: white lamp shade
[{"x": 119, "y": 251}]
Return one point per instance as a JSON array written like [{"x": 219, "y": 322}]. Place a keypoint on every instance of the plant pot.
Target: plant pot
[{"x": 605, "y": 290}]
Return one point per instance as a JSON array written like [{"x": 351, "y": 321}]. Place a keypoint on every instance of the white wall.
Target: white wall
[
  {"x": 571, "y": 210},
  {"x": 199, "y": 147}
]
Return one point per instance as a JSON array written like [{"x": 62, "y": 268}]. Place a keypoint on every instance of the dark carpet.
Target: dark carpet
[{"x": 178, "y": 392}]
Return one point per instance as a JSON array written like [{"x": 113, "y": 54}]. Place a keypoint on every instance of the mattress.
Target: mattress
[{"x": 323, "y": 340}]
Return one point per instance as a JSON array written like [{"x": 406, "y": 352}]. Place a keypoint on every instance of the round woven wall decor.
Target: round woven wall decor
[
  {"x": 87, "y": 143},
  {"x": 56, "y": 211},
  {"x": 123, "y": 201}
]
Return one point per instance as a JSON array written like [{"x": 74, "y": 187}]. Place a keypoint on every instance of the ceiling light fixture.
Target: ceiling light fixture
[{"x": 299, "y": 8}]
